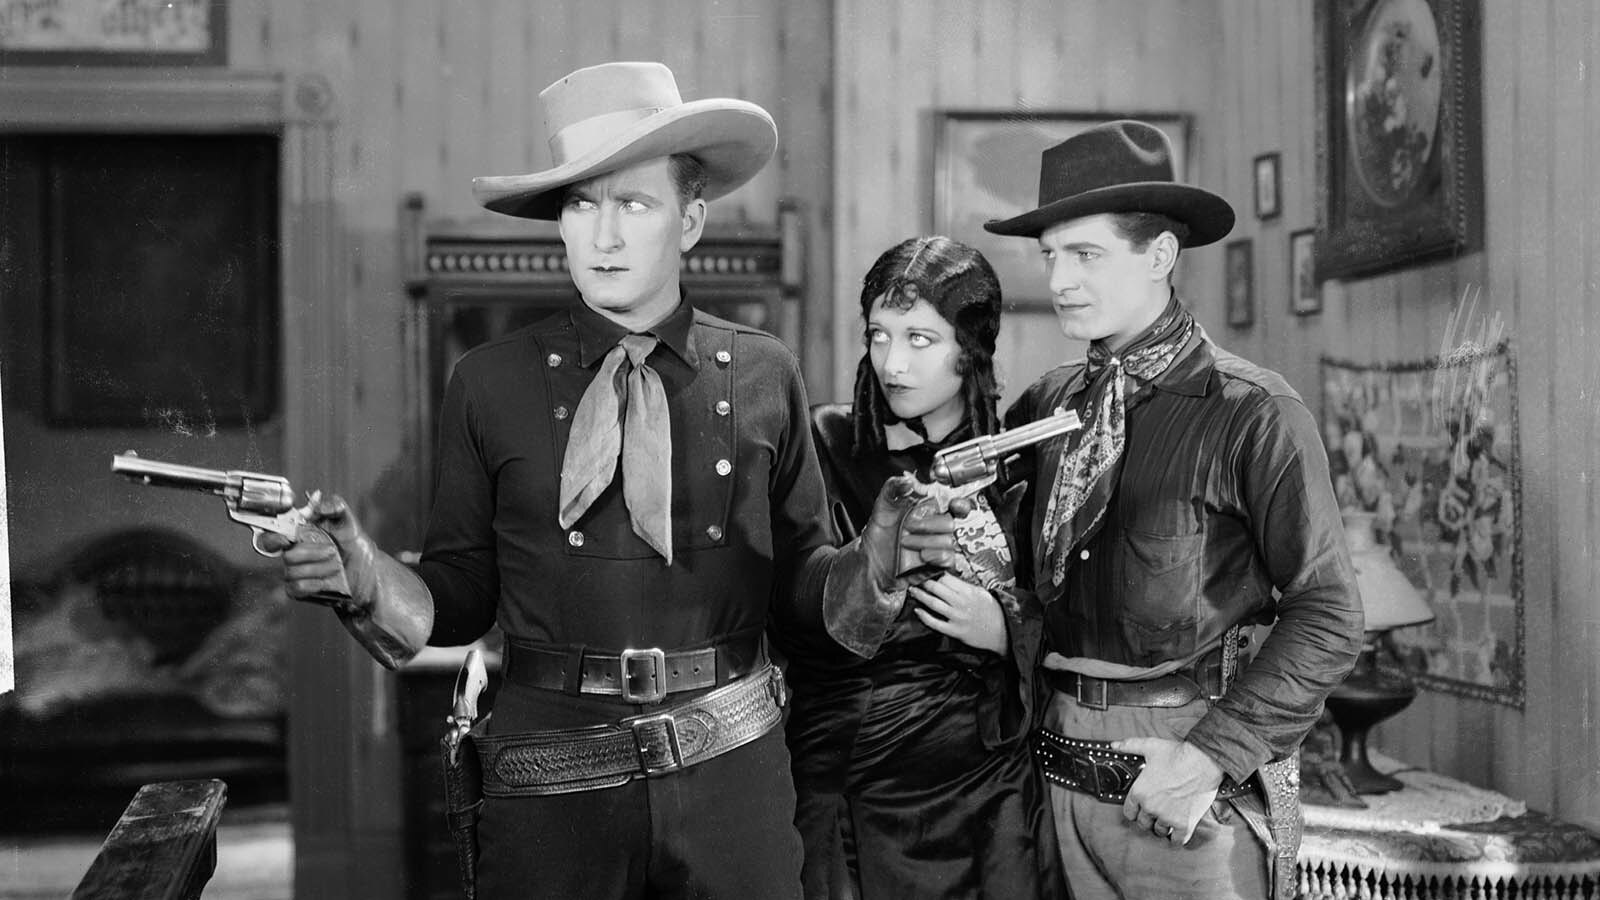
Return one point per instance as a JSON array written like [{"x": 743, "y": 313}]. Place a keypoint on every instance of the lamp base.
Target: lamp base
[{"x": 1366, "y": 698}]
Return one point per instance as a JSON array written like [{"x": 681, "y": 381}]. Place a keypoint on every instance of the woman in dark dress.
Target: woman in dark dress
[{"x": 912, "y": 767}]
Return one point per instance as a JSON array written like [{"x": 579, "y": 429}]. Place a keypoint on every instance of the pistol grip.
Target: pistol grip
[{"x": 336, "y": 594}]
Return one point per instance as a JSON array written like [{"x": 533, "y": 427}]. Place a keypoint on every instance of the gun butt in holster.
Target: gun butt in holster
[{"x": 463, "y": 771}]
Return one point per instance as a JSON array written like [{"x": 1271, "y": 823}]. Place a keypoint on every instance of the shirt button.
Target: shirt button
[
  {"x": 724, "y": 357},
  {"x": 724, "y": 467},
  {"x": 561, "y": 412},
  {"x": 714, "y": 532},
  {"x": 1083, "y": 555},
  {"x": 553, "y": 359},
  {"x": 575, "y": 538},
  {"x": 724, "y": 407}
]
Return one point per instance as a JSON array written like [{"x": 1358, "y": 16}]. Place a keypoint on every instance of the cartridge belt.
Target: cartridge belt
[
  {"x": 564, "y": 761},
  {"x": 646, "y": 675},
  {"x": 1093, "y": 768}
]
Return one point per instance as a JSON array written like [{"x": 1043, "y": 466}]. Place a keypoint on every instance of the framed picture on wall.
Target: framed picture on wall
[
  {"x": 1399, "y": 165},
  {"x": 1304, "y": 296},
  {"x": 1268, "y": 186},
  {"x": 124, "y": 33},
  {"x": 986, "y": 166},
  {"x": 1239, "y": 282}
]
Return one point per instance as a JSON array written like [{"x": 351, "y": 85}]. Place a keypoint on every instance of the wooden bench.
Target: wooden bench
[{"x": 163, "y": 848}]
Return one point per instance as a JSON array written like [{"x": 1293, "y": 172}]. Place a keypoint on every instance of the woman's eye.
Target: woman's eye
[
  {"x": 920, "y": 340},
  {"x": 877, "y": 337}
]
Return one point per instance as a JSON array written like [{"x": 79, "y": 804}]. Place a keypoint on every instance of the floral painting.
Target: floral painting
[
  {"x": 1429, "y": 449},
  {"x": 1398, "y": 130}
]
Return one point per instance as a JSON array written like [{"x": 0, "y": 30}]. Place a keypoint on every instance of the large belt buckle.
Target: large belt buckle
[
  {"x": 649, "y": 750},
  {"x": 1105, "y": 693},
  {"x": 657, "y": 675}
]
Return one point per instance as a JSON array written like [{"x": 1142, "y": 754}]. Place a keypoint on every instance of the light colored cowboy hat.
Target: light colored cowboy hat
[
  {"x": 610, "y": 116},
  {"x": 1122, "y": 166}
]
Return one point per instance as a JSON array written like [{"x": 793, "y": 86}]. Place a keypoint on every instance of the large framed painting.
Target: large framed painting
[
  {"x": 1430, "y": 450},
  {"x": 1398, "y": 133},
  {"x": 113, "y": 32},
  {"x": 986, "y": 166}
]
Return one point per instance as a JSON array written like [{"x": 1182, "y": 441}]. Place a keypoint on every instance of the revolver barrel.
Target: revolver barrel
[
  {"x": 248, "y": 491},
  {"x": 971, "y": 460}
]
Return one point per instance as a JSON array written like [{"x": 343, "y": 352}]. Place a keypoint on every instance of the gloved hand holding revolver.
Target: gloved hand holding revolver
[
  {"x": 390, "y": 611},
  {"x": 910, "y": 536}
]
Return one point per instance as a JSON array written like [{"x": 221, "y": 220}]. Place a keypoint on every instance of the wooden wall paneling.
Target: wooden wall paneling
[
  {"x": 909, "y": 209},
  {"x": 1587, "y": 705},
  {"x": 422, "y": 98},
  {"x": 1518, "y": 733},
  {"x": 1573, "y": 202},
  {"x": 248, "y": 26},
  {"x": 761, "y": 35},
  {"x": 466, "y": 76},
  {"x": 555, "y": 51},
  {"x": 1039, "y": 62},
  {"x": 953, "y": 75},
  {"x": 995, "y": 47},
  {"x": 509, "y": 95},
  {"x": 1534, "y": 322},
  {"x": 805, "y": 108}
]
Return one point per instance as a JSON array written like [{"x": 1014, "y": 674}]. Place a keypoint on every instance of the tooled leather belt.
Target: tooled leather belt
[
  {"x": 1093, "y": 768},
  {"x": 580, "y": 759}
]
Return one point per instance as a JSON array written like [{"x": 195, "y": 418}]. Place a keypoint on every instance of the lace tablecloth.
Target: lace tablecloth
[{"x": 1438, "y": 837}]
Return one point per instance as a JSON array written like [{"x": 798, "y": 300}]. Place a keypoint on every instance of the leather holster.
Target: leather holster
[{"x": 463, "y": 790}]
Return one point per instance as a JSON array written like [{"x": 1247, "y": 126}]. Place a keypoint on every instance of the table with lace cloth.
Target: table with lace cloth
[{"x": 1439, "y": 837}]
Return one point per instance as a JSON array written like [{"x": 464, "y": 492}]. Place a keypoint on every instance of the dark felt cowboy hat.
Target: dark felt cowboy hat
[
  {"x": 610, "y": 116},
  {"x": 1122, "y": 166}
]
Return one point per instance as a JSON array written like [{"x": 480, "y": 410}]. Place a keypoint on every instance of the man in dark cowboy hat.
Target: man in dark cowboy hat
[
  {"x": 627, "y": 487},
  {"x": 1194, "y": 503}
]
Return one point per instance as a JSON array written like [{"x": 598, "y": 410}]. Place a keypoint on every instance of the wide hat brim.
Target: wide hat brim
[
  {"x": 732, "y": 139},
  {"x": 1208, "y": 216}
]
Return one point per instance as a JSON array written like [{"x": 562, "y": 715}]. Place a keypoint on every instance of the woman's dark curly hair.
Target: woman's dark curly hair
[{"x": 961, "y": 286}]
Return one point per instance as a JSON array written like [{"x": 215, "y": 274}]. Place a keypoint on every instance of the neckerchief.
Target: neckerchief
[{"x": 1091, "y": 459}]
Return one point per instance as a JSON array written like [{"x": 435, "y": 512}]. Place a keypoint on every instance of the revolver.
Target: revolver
[
  {"x": 265, "y": 503},
  {"x": 978, "y": 459},
  {"x": 963, "y": 469}
]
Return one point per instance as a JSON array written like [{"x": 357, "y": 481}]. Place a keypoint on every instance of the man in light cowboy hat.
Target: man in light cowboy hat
[
  {"x": 627, "y": 488},
  {"x": 1194, "y": 503}
]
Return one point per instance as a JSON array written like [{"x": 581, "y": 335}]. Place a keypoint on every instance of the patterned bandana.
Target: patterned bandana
[{"x": 1091, "y": 459}]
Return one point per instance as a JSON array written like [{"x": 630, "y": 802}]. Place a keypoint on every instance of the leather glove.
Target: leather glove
[
  {"x": 909, "y": 538},
  {"x": 390, "y": 611}
]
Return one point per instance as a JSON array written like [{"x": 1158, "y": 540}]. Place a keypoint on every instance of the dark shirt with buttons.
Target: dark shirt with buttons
[
  {"x": 748, "y": 503},
  {"x": 1224, "y": 515}
]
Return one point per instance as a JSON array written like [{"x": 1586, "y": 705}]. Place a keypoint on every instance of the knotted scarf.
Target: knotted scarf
[
  {"x": 1091, "y": 459},
  {"x": 623, "y": 414}
]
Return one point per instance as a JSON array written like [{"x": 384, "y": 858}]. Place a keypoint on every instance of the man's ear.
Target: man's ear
[
  {"x": 694, "y": 224},
  {"x": 1163, "y": 255}
]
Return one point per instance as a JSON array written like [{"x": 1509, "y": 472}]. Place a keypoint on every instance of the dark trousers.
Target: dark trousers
[{"x": 721, "y": 829}]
